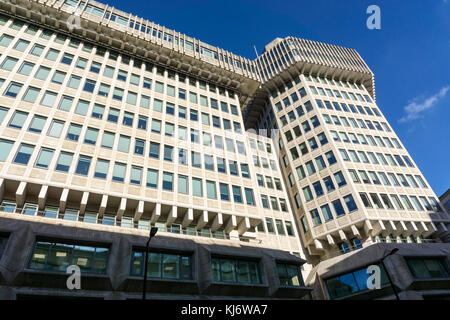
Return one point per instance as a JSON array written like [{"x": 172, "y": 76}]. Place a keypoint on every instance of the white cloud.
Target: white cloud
[{"x": 416, "y": 107}]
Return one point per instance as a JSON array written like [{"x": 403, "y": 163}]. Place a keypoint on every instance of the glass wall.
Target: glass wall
[
  {"x": 351, "y": 283},
  {"x": 57, "y": 256},
  {"x": 235, "y": 271},
  {"x": 162, "y": 265}
]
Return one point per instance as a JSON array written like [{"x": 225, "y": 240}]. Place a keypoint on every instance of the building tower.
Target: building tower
[
  {"x": 351, "y": 181},
  {"x": 111, "y": 124}
]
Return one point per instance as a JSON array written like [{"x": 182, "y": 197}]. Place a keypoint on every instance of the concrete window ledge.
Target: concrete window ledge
[
  {"x": 291, "y": 292},
  {"x": 237, "y": 289},
  {"x": 170, "y": 286},
  {"x": 58, "y": 280}
]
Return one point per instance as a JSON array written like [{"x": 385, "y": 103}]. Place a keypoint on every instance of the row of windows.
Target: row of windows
[
  {"x": 311, "y": 168},
  {"x": 119, "y": 172},
  {"x": 49, "y": 99},
  {"x": 356, "y": 281},
  {"x": 108, "y": 140},
  {"x": 312, "y": 143},
  {"x": 399, "y": 202},
  {"x": 163, "y": 35},
  {"x": 31, "y": 209},
  {"x": 60, "y": 39},
  {"x": 358, "y": 123},
  {"x": 332, "y": 82},
  {"x": 326, "y": 212},
  {"x": 319, "y": 189},
  {"x": 58, "y": 256},
  {"x": 387, "y": 179},
  {"x": 374, "y": 141},
  {"x": 361, "y": 157},
  {"x": 270, "y": 227},
  {"x": 264, "y": 163},
  {"x": 347, "y": 96}
]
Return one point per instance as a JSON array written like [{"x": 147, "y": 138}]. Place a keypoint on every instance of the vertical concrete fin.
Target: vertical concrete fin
[
  {"x": 21, "y": 193},
  {"x": 217, "y": 222},
  {"x": 156, "y": 213},
  {"x": 139, "y": 211},
  {"x": 202, "y": 220},
  {"x": 42, "y": 198},
  {"x": 172, "y": 216},
  {"x": 188, "y": 218}
]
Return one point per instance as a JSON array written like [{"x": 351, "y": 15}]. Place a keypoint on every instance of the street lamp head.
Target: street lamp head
[{"x": 153, "y": 231}]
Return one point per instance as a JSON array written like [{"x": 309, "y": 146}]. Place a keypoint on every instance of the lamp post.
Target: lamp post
[
  {"x": 390, "y": 253},
  {"x": 153, "y": 232}
]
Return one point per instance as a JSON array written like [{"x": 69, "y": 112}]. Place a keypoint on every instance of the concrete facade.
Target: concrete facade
[{"x": 116, "y": 124}]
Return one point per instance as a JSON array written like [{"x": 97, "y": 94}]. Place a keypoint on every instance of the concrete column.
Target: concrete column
[
  {"x": 231, "y": 224},
  {"x": 122, "y": 208},
  {"x": 2, "y": 188},
  {"x": 139, "y": 211},
  {"x": 103, "y": 204},
  {"x": 244, "y": 226},
  {"x": 202, "y": 220},
  {"x": 355, "y": 231},
  {"x": 217, "y": 222},
  {"x": 330, "y": 239},
  {"x": 63, "y": 200},
  {"x": 21, "y": 193},
  {"x": 84, "y": 201},
  {"x": 42, "y": 198},
  {"x": 172, "y": 216},
  {"x": 342, "y": 235},
  {"x": 156, "y": 213},
  {"x": 188, "y": 218}
]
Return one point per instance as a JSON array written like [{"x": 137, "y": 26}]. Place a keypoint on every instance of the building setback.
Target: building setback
[{"x": 111, "y": 124}]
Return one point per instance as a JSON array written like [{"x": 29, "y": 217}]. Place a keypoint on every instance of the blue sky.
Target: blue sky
[{"x": 410, "y": 55}]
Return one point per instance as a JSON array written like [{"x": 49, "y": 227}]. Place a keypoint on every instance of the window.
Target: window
[
  {"x": 326, "y": 213},
  {"x": 338, "y": 208},
  {"x": 119, "y": 172},
  {"x": 21, "y": 45},
  {"x": 24, "y": 154},
  {"x": 89, "y": 86},
  {"x": 235, "y": 271},
  {"x": 154, "y": 150},
  {"x": 428, "y": 268},
  {"x": 162, "y": 265},
  {"x": 350, "y": 202},
  {"x": 13, "y": 90},
  {"x": 64, "y": 162},
  {"x": 340, "y": 180},
  {"x": 168, "y": 153},
  {"x": 249, "y": 197},
  {"x": 44, "y": 158},
  {"x": 211, "y": 190},
  {"x": 74, "y": 132},
  {"x": 83, "y": 165},
  {"x": 18, "y": 119},
  {"x": 315, "y": 217},
  {"x": 351, "y": 283},
  {"x": 167, "y": 181},
  {"x": 136, "y": 175},
  {"x": 237, "y": 195},
  {"x": 91, "y": 136},
  {"x": 101, "y": 169},
  {"x": 52, "y": 256},
  {"x": 108, "y": 140},
  {"x": 224, "y": 192},
  {"x": 139, "y": 147},
  {"x": 152, "y": 178},
  {"x": 9, "y": 63}
]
